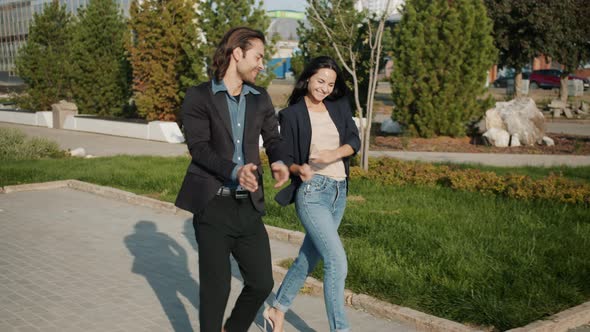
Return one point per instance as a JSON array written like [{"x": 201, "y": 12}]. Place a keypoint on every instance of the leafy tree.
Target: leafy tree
[
  {"x": 100, "y": 68},
  {"x": 442, "y": 52},
  {"x": 519, "y": 33},
  {"x": 162, "y": 55},
  {"x": 219, "y": 16},
  {"x": 567, "y": 35},
  {"x": 44, "y": 62}
]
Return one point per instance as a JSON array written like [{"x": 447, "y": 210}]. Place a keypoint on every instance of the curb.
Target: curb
[
  {"x": 107, "y": 192},
  {"x": 560, "y": 322}
]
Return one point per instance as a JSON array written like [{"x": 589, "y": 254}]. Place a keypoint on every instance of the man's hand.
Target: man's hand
[
  {"x": 305, "y": 172},
  {"x": 248, "y": 178},
  {"x": 280, "y": 173},
  {"x": 325, "y": 156}
]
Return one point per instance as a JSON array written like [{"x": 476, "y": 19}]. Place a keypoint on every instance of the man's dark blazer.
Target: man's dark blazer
[
  {"x": 296, "y": 132},
  {"x": 208, "y": 133}
]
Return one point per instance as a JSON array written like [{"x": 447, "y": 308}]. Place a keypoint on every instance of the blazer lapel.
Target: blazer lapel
[
  {"x": 304, "y": 123},
  {"x": 220, "y": 103},
  {"x": 250, "y": 116}
]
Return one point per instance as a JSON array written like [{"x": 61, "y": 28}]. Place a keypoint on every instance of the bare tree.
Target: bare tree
[{"x": 348, "y": 55}]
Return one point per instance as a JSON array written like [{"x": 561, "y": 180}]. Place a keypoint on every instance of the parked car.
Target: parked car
[
  {"x": 502, "y": 81},
  {"x": 550, "y": 79}
]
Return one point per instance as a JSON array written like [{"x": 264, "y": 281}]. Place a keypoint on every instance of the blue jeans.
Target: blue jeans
[{"x": 320, "y": 205}]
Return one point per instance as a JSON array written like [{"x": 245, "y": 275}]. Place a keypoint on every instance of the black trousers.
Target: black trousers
[{"x": 231, "y": 226}]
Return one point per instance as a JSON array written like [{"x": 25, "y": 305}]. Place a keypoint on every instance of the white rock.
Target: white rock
[
  {"x": 391, "y": 127},
  {"x": 568, "y": 113},
  {"x": 548, "y": 141},
  {"x": 481, "y": 126},
  {"x": 585, "y": 107},
  {"x": 493, "y": 118},
  {"x": 497, "y": 137},
  {"x": 514, "y": 140},
  {"x": 78, "y": 152},
  {"x": 518, "y": 116},
  {"x": 89, "y": 156}
]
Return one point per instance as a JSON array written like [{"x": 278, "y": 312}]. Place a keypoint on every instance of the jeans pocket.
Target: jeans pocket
[{"x": 316, "y": 185}]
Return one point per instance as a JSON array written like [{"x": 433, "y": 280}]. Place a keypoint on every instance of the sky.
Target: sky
[{"x": 298, "y": 5}]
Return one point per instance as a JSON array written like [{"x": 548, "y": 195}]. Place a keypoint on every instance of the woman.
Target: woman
[{"x": 321, "y": 137}]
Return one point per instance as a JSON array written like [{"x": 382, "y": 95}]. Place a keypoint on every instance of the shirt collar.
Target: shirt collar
[{"x": 219, "y": 86}]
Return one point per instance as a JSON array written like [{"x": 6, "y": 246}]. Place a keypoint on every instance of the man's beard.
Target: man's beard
[{"x": 248, "y": 77}]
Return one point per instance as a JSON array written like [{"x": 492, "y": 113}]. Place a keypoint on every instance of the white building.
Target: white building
[
  {"x": 393, "y": 7},
  {"x": 15, "y": 19}
]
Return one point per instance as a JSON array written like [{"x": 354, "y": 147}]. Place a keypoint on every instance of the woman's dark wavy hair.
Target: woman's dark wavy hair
[
  {"x": 234, "y": 38},
  {"x": 300, "y": 90}
]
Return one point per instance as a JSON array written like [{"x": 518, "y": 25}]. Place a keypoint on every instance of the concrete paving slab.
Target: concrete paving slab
[{"x": 75, "y": 261}]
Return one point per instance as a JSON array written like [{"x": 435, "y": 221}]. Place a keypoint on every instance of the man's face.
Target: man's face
[{"x": 252, "y": 61}]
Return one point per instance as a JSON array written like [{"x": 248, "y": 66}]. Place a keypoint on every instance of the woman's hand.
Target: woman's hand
[
  {"x": 325, "y": 156},
  {"x": 305, "y": 172}
]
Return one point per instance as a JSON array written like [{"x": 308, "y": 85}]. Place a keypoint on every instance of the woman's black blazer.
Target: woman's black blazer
[{"x": 296, "y": 133}]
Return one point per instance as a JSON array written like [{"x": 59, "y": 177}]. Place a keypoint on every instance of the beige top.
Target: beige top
[{"x": 324, "y": 136}]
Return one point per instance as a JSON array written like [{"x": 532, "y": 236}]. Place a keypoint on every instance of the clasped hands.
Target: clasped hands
[
  {"x": 248, "y": 177},
  {"x": 321, "y": 157}
]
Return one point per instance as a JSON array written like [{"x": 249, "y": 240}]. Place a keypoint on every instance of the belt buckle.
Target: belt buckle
[{"x": 241, "y": 194}]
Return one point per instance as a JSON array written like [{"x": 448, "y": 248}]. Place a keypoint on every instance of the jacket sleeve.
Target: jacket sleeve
[
  {"x": 196, "y": 120},
  {"x": 271, "y": 138},
  {"x": 351, "y": 136}
]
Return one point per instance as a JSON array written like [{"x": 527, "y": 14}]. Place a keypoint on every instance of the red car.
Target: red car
[{"x": 550, "y": 79}]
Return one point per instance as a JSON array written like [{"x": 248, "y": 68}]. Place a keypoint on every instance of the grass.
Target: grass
[
  {"x": 468, "y": 257},
  {"x": 156, "y": 177}
]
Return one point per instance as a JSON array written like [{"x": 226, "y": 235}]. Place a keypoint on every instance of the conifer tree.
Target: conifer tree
[
  {"x": 100, "y": 68},
  {"x": 44, "y": 62},
  {"x": 219, "y": 16},
  {"x": 442, "y": 52},
  {"x": 162, "y": 54}
]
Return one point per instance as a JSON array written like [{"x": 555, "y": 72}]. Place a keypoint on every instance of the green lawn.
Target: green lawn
[{"x": 468, "y": 257}]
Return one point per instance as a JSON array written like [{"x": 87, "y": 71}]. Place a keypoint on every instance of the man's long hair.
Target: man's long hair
[{"x": 234, "y": 38}]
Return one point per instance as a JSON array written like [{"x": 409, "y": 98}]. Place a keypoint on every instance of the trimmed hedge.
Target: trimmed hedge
[{"x": 553, "y": 187}]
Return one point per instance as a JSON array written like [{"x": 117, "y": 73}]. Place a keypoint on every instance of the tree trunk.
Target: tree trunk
[
  {"x": 563, "y": 88},
  {"x": 518, "y": 84}
]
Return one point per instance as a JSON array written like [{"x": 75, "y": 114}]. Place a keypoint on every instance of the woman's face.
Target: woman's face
[{"x": 321, "y": 84}]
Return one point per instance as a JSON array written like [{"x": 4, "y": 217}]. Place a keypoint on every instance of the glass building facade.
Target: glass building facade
[{"x": 15, "y": 18}]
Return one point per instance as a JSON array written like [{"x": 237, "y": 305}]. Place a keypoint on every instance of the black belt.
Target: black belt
[{"x": 231, "y": 192}]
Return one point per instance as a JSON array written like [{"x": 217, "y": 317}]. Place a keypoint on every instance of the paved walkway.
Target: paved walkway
[
  {"x": 81, "y": 262},
  {"x": 104, "y": 145},
  {"x": 99, "y": 144}
]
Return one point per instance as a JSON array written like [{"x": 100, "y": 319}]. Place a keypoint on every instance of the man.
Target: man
[{"x": 223, "y": 120}]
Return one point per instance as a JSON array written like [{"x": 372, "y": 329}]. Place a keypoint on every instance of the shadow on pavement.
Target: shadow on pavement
[{"x": 164, "y": 264}]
